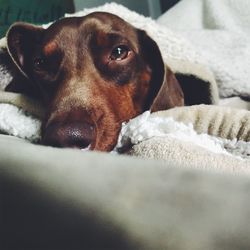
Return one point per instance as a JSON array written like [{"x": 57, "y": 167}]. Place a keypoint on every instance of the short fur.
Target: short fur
[{"x": 87, "y": 94}]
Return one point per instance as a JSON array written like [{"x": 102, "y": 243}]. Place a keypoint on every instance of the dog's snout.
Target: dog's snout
[{"x": 74, "y": 135}]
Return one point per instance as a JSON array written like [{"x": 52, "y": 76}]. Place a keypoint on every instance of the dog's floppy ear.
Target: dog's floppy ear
[
  {"x": 164, "y": 91},
  {"x": 21, "y": 40},
  {"x": 170, "y": 94}
]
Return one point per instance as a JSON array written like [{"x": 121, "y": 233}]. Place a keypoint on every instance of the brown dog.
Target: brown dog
[{"x": 93, "y": 73}]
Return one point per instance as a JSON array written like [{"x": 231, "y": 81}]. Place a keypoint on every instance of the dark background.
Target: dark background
[{"x": 166, "y": 4}]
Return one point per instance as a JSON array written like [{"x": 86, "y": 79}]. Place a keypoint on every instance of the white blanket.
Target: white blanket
[
  {"x": 203, "y": 136},
  {"x": 220, "y": 32},
  {"x": 147, "y": 126}
]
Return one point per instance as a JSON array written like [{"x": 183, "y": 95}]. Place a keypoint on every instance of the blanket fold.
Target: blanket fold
[
  {"x": 220, "y": 33},
  {"x": 224, "y": 122},
  {"x": 26, "y": 103},
  {"x": 202, "y": 136}
]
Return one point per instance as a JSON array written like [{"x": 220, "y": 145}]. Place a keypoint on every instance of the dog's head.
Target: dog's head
[{"x": 93, "y": 73}]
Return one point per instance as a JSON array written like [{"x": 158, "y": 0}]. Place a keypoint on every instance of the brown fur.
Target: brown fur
[{"x": 89, "y": 94}]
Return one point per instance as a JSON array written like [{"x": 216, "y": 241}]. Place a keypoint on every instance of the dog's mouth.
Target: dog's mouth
[{"x": 80, "y": 135}]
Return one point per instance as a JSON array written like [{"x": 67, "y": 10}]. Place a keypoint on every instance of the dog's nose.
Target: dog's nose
[{"x": 74, "y": 135}]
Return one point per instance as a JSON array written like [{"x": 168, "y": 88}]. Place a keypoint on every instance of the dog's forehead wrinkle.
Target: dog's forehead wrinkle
[
  {"x": 90, "y": 25},
  {"x": 106, "y": 23},
  {"x": 69, "y": 22},
  {"x": 107, "y": 18},
  {"x": 78, "y": 31}
]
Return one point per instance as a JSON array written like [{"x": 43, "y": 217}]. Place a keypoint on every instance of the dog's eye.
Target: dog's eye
[
  {"x": 39, "y": 62},
  {"x": 119, "y": 53}
]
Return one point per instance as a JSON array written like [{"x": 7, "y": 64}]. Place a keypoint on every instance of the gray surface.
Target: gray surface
[{"x": 66, "y": 199}]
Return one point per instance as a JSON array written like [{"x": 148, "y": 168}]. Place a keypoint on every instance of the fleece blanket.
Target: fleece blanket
[
  {"x": 220, "y": 32},
  {"x": 162, "y": 138},
  {"x": 65, "y": 199},
  {"x": 202, "y": 136}
]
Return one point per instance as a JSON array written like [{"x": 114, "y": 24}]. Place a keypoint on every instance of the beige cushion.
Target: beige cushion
[{"x": 68, "y": 199}]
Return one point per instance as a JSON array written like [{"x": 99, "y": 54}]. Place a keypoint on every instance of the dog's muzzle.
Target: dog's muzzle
[{"x": 70, "y": 134}]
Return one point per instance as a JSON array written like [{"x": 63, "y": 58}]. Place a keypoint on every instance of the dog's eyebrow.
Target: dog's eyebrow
[
  {"x": 50, "y": 48},
  {"x": 109, "y": 38}
]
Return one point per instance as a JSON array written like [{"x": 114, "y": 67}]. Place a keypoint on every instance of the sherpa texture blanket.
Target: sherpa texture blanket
[
  {"x": 220, "y": 32},
  {"x": 158, "y": 139},
  {"x": 201, "y": 136}
]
